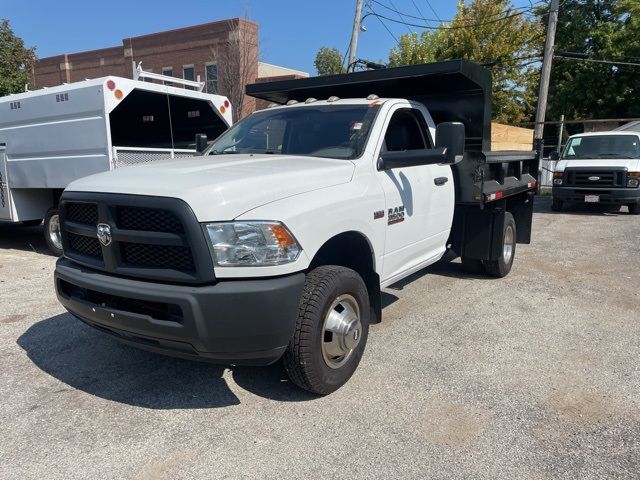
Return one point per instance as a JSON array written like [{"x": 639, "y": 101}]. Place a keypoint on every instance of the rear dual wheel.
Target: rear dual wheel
[
  {"x": 502, "y": 265},
  {"x": 331, "y": 330}
]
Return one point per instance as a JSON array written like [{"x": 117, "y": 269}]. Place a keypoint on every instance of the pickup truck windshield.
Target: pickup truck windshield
[
  {"x": 334, "y": 131},
  {"x": 602, "y": 146}
]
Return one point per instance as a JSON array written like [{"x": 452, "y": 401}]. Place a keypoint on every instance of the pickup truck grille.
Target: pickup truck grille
[
  {"x": 85, "y": 245},
  {"x": 151, "y": 237},
  {"x": 148, "y": 219},
  {"x": 157, "y": 256},
  {"x": 579, "y": 177}
]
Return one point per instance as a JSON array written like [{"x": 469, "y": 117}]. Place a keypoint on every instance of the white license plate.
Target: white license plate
[{"x": 591, "y": 198}]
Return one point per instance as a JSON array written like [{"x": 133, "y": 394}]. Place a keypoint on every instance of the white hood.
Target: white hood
[
  {"x": 222, "y": 187},
  {"x": 631, "y": 164}
]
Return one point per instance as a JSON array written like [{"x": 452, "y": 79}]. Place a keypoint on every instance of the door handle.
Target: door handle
[{"x": 440, "y": 180}]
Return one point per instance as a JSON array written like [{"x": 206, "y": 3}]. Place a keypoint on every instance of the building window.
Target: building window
[
  {"x": 168, "y": 71},
  {"x": 188, "y": 73},
  {"x": 211, "y": 71}
]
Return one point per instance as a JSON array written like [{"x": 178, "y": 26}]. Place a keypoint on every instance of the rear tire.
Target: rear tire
[
  {"x": 52, "y": 235},
  {"x": 634, "y": 208},
  {"x": 331, "y": 330},
  {"x": 556, "y": 205},
  {"x": 502, "y": 266}
]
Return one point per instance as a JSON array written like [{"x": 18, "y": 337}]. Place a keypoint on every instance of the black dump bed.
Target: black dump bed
[{"x": 452, "y": 91}]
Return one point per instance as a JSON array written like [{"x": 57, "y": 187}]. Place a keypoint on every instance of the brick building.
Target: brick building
[{"x": 223, "y": 54}]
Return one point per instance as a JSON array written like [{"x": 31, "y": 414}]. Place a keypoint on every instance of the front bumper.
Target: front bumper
[
  {"x": 618, "y": 196},
  {"x": 246, "y": 322}
]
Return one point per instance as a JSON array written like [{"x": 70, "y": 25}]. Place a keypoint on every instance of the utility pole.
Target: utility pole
[
  {"x": 354, "y": 35},
  {"x": 546, "y": 70}
]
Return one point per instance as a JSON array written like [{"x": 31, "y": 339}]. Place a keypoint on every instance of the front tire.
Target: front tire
[
  {"x": 502, "y": 266},
  {"x": 331, "y": 330},
  {"x": 634, "y": 208},
  {"x": 52, "y": 235}
]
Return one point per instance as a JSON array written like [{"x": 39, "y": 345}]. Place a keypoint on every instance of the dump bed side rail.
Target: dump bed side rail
[{"x": 484, "y": 177}]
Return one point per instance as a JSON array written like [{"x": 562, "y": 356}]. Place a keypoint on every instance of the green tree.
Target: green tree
[
  {"x": 606, "y": 29},
  {"x": 16, "y": 61},
  {"x": 489, "y": 32},
  {"x": 328, "y": 61}
]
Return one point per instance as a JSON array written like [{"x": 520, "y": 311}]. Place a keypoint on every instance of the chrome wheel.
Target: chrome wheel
[
  {"x": 507, "y": 244},
  {"x": 341, "y": 331},
  {"x": 54, "y": 231}
]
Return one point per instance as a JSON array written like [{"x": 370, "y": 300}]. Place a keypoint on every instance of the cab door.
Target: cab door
[
  {"x": 419, "y": 200},
  {"x": 5, "y": 209}
]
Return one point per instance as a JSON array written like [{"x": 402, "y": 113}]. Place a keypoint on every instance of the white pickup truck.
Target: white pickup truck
[
  {"x": 276, "y": 242},
  {"x": 602, "y": 167}
]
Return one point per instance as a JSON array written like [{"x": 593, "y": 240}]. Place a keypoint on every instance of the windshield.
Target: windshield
[
  {"x": 602, "y": 146},
  {"x": 334, "y": 131}
]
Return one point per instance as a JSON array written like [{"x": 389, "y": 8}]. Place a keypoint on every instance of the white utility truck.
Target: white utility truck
[
  {"x": 52, "y": 136},
  {"x": 602, "y": 167},
  {"x": 276, "y": 242}
]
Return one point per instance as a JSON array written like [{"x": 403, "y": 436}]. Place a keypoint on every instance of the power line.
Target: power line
[
  {"x": 417, "y": 8},
  {"x": 386, "y": 28},
  {"x": 434, "y": 11},
  {"x": 597, "y": 60},
  {"x": 400, "y": 15},
  {"x": 502, "y": 14},
  {"x": 468, "y": 25}
]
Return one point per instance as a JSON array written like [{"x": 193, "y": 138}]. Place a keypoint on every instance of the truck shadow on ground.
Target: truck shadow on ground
[
  {"x": 19, "y": 237},
  {"x": 95, "y": 363},
  {"x": 542, "y": 205}
]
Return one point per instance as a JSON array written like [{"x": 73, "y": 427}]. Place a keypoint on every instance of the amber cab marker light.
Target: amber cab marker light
[{"x": 118, "y": 94}]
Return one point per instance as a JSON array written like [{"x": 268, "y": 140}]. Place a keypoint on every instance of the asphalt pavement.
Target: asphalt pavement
[{"x": 532, "y": 376}]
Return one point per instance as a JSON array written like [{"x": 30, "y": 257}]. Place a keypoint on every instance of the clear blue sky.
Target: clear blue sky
[{"x": 291, "y": 31}]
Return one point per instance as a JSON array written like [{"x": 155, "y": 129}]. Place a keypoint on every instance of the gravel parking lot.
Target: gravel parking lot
[{"x": 531, "y": 376}]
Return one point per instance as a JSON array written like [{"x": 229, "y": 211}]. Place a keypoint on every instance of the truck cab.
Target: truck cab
[
  {"x": 275, "y": 243},
  {"x": 601, "y": 167}
]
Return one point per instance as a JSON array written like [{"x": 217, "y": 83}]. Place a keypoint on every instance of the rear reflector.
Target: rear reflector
[{"x": 111, "y": 84}]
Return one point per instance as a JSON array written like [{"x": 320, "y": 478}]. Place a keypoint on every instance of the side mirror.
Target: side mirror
[
  {"x": 201, "y": 142},
  {"x": 554, "y": 155},
  {"x": 451, "y": 136}
]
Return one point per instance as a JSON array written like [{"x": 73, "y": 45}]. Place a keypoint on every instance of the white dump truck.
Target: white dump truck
[
  {"x": 276, "y": 242},
  {"x": 52, "y": 136}
]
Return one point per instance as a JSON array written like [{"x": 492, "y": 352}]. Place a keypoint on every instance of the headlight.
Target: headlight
[
  {"x": 633, "y": 179},
  {"x": 252, "y": 244},
  {"x": 557, "y": 178}
]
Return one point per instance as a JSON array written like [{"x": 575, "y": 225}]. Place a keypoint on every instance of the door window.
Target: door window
[{"x": 406, "y": 131}]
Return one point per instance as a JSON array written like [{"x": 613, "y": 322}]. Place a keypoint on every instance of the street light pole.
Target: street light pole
[
  {"x": 546, "y": 69},
  {"x": 354, "y": 35}
]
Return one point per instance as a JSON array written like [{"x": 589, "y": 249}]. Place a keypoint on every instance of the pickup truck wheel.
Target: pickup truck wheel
[
  {"x": 52, "y": 235},
  {"x": 502, "y": 266},
  {"x": 634, "y": 208},
  {"x": 331, "y": 330},
  {"x": 556, "y": 205}
]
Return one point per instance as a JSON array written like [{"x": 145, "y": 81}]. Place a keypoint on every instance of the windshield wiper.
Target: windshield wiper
[{"x": 216, "y": 152}]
